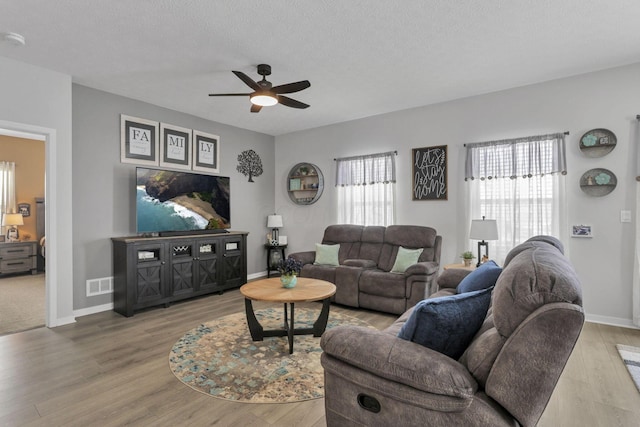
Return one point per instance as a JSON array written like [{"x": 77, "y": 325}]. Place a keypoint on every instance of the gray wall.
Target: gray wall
[
  {"x": 103, "y": 195},
  {"x": 40, "y": 100},
  {"x": 607, "y": 99}
]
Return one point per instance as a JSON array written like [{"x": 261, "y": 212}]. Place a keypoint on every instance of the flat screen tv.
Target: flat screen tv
[{"x": 171, "y": 202}]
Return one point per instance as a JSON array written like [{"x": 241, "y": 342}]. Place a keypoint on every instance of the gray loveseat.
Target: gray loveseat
[
  {"x": 505, "y": 376},
  {"x": 367, "y": 254}
]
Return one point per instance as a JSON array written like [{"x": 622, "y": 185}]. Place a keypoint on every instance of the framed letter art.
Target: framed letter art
[
  {"x": 429, "y": 173},
  {"x": 206, "y": 152},
  {"x": 175, "y": 147},
  {"x": 138, "y": 141}
]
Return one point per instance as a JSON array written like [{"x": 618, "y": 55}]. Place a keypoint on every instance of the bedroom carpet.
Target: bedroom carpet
[{"x": 22, "y": 303}]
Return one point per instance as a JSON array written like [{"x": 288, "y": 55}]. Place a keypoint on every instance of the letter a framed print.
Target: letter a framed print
[
  {"x": 175, "y": 147},
  {"x": 138, "y": 141},
  {"x": 206, "y": 152}
]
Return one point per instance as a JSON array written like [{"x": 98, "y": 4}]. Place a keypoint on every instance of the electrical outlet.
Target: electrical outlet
[{"x": 625, "y": 216}]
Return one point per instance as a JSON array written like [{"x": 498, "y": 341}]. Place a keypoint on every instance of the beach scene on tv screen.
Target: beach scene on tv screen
[{"x": 181, "y": 201}]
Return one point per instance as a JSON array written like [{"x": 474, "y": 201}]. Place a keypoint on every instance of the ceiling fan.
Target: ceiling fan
[{"x": 265, "y": 94}]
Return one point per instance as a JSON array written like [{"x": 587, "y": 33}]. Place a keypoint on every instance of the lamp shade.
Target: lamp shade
[
  {"x": 274, "y": 221},
  {"x": 12, "y": 219},
  {"x": 484, "y": 229}
]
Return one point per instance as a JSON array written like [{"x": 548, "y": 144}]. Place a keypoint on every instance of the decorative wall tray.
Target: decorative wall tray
[
  {"x": 598, "y": 142},
  {"x": 598, "y": 182}
]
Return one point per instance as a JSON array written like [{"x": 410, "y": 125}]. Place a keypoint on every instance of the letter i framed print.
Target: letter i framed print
[
  {"x": 138, "y": 141},
  {"x": 206, "y": 152}
]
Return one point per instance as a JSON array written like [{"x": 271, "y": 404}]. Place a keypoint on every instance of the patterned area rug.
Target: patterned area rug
[
  {"x": 631, "y": 357},
  {"x": 220, "y": 359}
]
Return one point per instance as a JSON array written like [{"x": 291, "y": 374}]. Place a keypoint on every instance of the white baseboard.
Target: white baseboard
[
  {"x": 64, "y": 321},
  {"x": 613, "y": 321},
  {"x": 256, "y": 275},
  {"x": 93, "y": 310}
]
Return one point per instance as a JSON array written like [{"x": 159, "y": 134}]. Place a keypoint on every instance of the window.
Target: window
[
  {"x": 7, "y": 187},
  {"x": 520, "y": 184},
  {"x": 366, "y": 189}
]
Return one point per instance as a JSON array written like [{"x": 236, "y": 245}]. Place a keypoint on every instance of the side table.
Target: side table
[
  {"x": 460, "y": 266},
  {"x": 274, "y": 254}
]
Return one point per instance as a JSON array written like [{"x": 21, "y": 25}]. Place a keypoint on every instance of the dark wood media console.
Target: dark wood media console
[{"x": 152, "y": 271}]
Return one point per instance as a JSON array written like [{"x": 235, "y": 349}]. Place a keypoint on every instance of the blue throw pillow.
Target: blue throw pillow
[
  {"x": 482, "y": 277},
  {"x": 447, "y": 324}
]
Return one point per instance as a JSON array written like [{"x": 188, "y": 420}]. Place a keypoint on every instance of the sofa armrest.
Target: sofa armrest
[
  {"x": 400, "y": 361},
  {"x": 425, "y": 267},
  {"x": 452, "y": 277},
  {"x": 304, "y": 257}
]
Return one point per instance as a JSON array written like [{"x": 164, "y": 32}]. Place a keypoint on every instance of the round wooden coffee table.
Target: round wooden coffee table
[{"x": 271, "y": 290}]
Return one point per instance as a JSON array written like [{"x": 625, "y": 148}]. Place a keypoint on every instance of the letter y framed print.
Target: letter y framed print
[
  {"x": 206, "y": 152},
  {"x": 138, "y": 141}
]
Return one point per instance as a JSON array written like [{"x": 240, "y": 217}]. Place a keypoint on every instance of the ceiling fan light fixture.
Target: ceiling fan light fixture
[{"x": 264, "y": 99}]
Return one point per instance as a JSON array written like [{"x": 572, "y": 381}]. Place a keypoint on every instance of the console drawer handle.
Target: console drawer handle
[{"x": 369, "y": 403}]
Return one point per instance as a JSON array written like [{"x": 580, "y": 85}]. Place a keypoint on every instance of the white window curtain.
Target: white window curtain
[
  {"x": 521, "y": 184},
  {"x": 7, "y": 189},
  {"x": 366, "y": 189},
  {"x": 636, "y": 268}
]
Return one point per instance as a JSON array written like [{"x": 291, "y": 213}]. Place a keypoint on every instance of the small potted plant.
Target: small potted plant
[
  {"x": 467, "y": 256},
  {"x": 289, "y": 269}
]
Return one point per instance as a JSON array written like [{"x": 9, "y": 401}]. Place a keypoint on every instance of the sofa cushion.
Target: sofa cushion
[
  {"x": 377, "y": 282},
  {"x": 447, "y": 324},
  {"x": 405, "y": 258},
  {"x": 327, "y": 254},
  {"x": 482, "y": 277},
  {"x": 361, "y": 263}
]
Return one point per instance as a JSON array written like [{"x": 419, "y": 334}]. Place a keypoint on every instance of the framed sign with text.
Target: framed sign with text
[
  {"x": 206, "y": 152},
  {"x": 138, "y": 141},
  {"x": 429, "y": 169},
  {"x": 175, "y": 146}
]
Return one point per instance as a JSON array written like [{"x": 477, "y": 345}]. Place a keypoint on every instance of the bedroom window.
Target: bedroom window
[
  {"x": 7, "y": 187},
  {"x": 519, "y": 183},
  {"x": 366, "y": 189}
]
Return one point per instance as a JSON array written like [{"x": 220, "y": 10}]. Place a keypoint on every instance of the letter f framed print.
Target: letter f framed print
[
  {"x": 206, "y": 152},
  {"x": 138, "y": 141}
]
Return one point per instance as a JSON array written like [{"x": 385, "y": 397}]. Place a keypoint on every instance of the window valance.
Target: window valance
[
  {"x": 516, "y": 158},
  {"x": 363, "y": 170}
]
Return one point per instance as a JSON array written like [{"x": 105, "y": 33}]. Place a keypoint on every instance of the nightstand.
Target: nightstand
[
  {"x": 275, "y": 253},
  {"x": 18, "y": 257}
]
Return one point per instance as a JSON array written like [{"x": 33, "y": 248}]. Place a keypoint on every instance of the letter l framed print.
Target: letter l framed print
[
  {"x": 206, "y": 152},
  {"x": 138, "y": 141}
]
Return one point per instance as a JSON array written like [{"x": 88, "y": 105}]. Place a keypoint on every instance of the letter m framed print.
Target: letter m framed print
[
  {"x": 206, "y": 152},
  {"x": 138, "y": 141}
]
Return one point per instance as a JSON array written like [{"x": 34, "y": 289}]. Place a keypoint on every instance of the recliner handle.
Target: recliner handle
[{"x": 369, "y": 403}]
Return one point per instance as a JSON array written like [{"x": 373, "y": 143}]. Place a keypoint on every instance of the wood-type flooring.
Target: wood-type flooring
[{"x": 108, "y": 370}]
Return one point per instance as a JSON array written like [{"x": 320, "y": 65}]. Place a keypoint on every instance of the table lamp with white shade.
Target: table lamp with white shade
[
  {"x": 274, "y": 222},
  {"x": 12, "y": 220},
  {"x": 483, "y": 229}
]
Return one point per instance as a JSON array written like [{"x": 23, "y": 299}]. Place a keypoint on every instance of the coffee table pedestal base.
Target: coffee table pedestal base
[{"x": 258, "y": 332}]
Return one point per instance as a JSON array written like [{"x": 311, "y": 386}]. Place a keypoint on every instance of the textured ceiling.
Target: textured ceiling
[{"x": 362, "y": 57}]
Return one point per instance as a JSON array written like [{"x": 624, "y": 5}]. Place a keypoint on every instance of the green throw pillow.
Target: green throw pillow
[
  {"x": 327, "y": 254},
  {"x": 405, "y": 258}
]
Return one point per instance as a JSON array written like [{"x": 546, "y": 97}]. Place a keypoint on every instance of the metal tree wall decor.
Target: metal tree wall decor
[{"x": 249, "y": 163}]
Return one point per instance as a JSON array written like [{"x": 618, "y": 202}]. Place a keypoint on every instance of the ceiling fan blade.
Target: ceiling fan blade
[
  {"x": 229, "y": 94},
  {"x": 285, "y": 100},
  {"x": 291, "y": 87},
  {"x": 247, "y": 80},
  {"x": 256, "y": 108}
]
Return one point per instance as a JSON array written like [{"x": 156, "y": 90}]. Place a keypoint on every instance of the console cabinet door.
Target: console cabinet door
[
  {"x": 149, "y": 268},
  {"x": 183, "y": 258},
  {"x": 207, "y": 271},
  {"x": 234, "y": 269}
]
